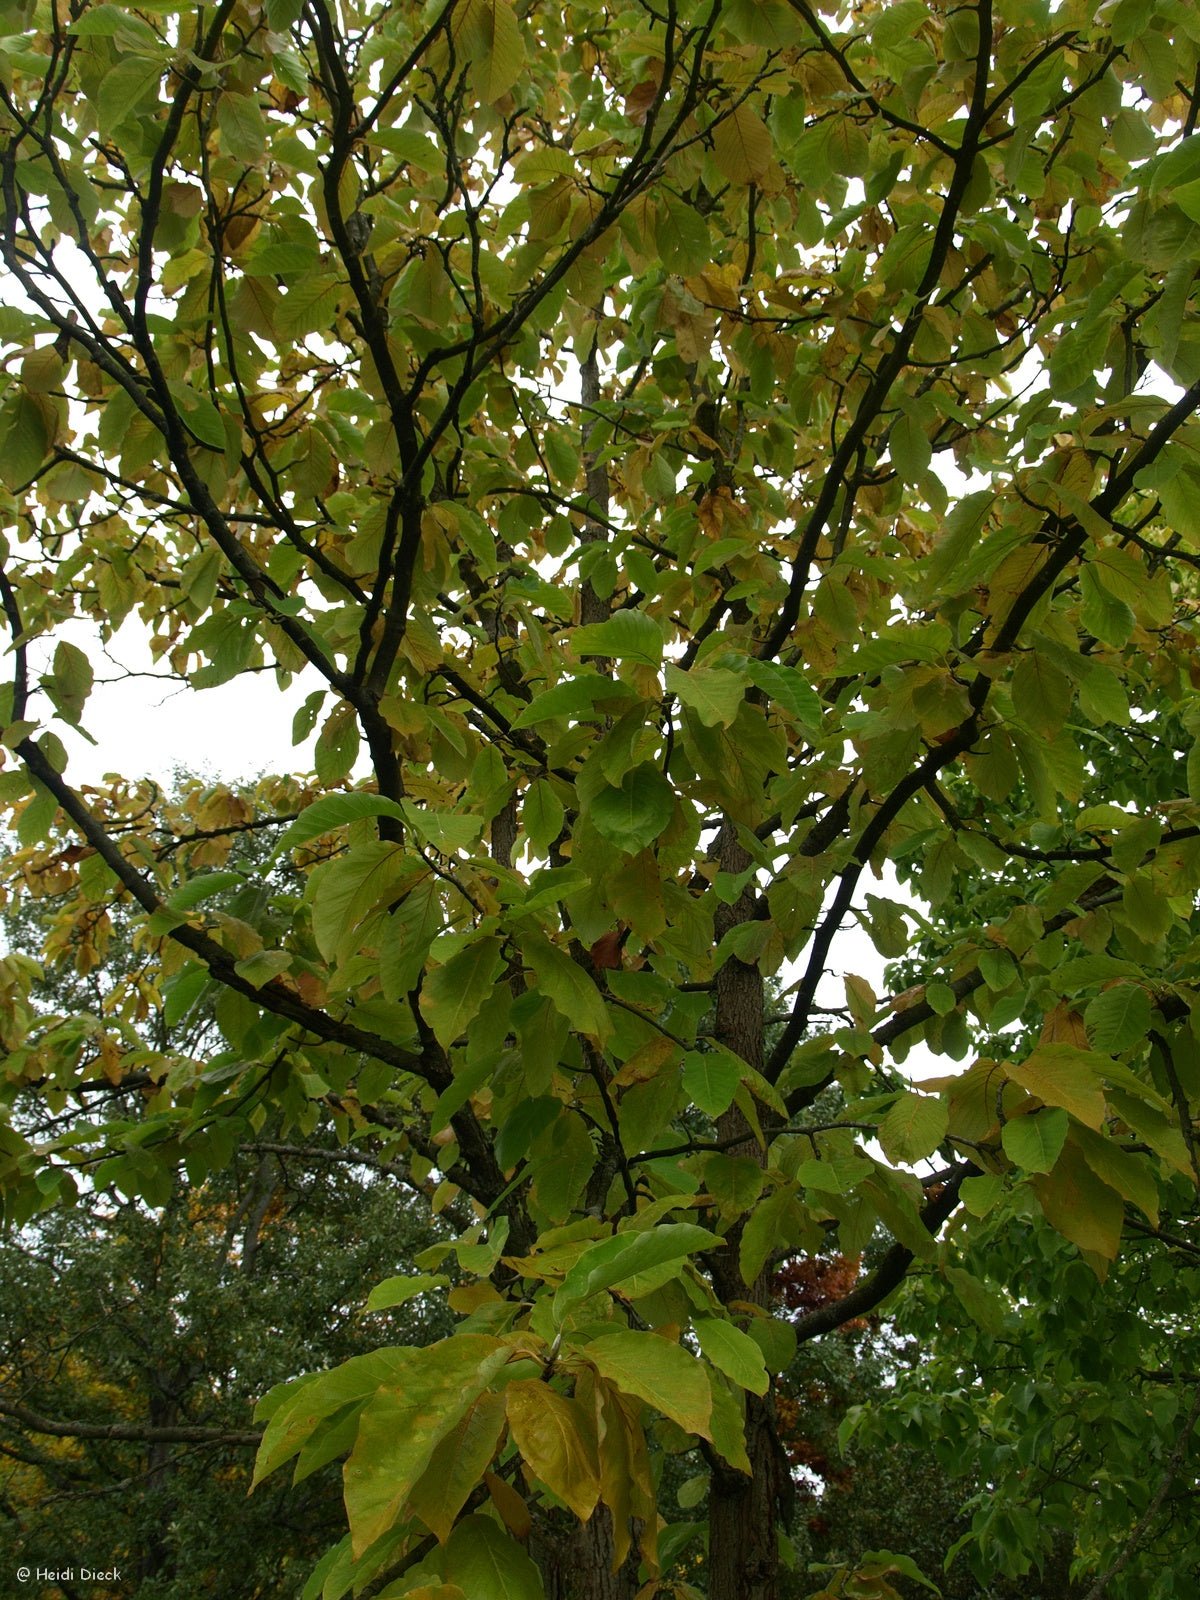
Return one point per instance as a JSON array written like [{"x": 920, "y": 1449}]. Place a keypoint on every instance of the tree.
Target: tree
[
  {"x": 134, "y": 1343},
  {"x": 135, "y": 1338},
  {"x": 696, "y": 456}
]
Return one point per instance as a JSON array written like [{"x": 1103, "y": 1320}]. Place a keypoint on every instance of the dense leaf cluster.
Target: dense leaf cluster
[{"x": 689, "y": 459}]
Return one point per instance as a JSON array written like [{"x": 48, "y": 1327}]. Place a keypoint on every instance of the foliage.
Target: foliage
[
  {"x": 169, "y": 1325},
  {"x": 688, "y": 459}
]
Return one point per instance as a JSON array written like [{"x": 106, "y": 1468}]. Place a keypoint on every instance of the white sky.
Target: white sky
[{"x": 152, "y": 725}]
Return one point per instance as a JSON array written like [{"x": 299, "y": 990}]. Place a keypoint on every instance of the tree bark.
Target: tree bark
[
  {"x": 580, "y": 1565},
  {"x": 743, "y": 1546},
  {"x": 743, "y": 1514},
  {"x": 592, "y": 607}
]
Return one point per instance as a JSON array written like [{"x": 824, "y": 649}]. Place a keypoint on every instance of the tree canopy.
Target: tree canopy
[{"x": 698, "y": 461}]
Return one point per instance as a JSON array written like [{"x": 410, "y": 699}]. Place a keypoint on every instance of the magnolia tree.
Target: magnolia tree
[{"x": 691, "y": 456}]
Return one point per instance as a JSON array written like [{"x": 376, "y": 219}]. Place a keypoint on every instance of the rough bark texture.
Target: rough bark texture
[
  {"x": 742, "y": 1544},
  {"x": 743, "y": 1547},
  {"x": 580, "y": 1565}
]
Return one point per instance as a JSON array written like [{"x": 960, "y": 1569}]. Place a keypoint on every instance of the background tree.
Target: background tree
[
  {"x": 135, "y": 1338},
  {"x": 579, "y": 398}
]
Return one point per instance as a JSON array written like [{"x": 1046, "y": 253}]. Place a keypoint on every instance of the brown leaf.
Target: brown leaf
[
  {"x": 639, "y": 100},
  {"x": 606, "y": 952}
]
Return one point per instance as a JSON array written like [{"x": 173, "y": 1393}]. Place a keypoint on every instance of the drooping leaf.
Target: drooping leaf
[
  {"x": 453, "y": 993},
  {"x": 1080, "y": 1206},
  {"x": 402, "y": 1424},
  {"x": 557, "y": 1440},
  {"x": 656, "y": 1371},
  {"x": 457, "y": 1463},
  {"x": 733, "y": 1352}
]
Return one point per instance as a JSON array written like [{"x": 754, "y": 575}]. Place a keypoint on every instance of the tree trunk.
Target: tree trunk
[
  {"x": 743, "y": 1544},
  {"x": 580, "y": 1566},
  {"x": 743, "y": 1548}
]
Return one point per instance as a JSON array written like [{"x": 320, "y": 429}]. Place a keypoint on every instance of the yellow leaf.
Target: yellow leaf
[
  {"x": 487, "y": 34},
  {"x": 625, "y": 1481},
  {"x": 653, "y": 1369},
  {"x": 457, "y": 1464},
  {"x": 1060, "y": 1075},
  {"x": 1081, "y": 1207},
  {"x": 742, "y": 146},
  {"x": 512, "y": 1508},
  {"x": 556, "y": 1442}
]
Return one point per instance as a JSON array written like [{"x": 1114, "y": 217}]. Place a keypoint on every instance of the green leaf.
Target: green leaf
[
  {"x": 910, "y": 449},
  {"x": 203, "y": 887},
  {"x": 634, "y": 815},
  {"x": 710, "y": 1080},
  {"x": 1041, "y": 694},
  {"x": 980, "y": 1195},
  {"x": 70, "y": 683},
  {"x": 411, "y": 929},
  {"x": 529, "y": 1118},
  {"x": 1035, "y": 1142},
  {"x": 885, "y": 1562},
  {"x": 26, "y": 435},
  {"x": 292, "y": 1410},
  {"x": 1150, "y": 1125},
  {"x": 402, "y": 1423},
  {"x": 787, "y": 688},
  {"x": 334, "y": 811},
  {"x": 572, "y": 992},
  {"x": 914, "y": 1127},
  {"x": 243, "y": 132},
  {"x": 713, "y": 693},
  {"x": 397, "y": 1291},
  {"x": 735, "y": 1182},
  {"x": 262, "y": 966},
  {"x": 732, "y": 1352},
  {"x": 487, "y": 1564},
  {"x": 658, "y": 1372},
  {"x": 488, "y": 36},
  {"x": 458, "y": 1462},
  {"x": 1127, "y": 1171},
  {"x": 452, "y": 994},
  {"x": 565, "y": 1157},
  {"x": 763, "y": 1231},
  {"x": 728, "y": 1422},
  {"x": 344, "y": 890},
  {"x": 542, "y": 815},
  {"x": 628, "y": 636},
  {"x": 982, "y": 1306},
  {"x": 446, "y": 831},
  {"x": 574, "y": 699},
  {"x": 611, "y": 1262},
  {"x": 1118, "y": 1018},
  {"x": 337, "y": 743}
]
